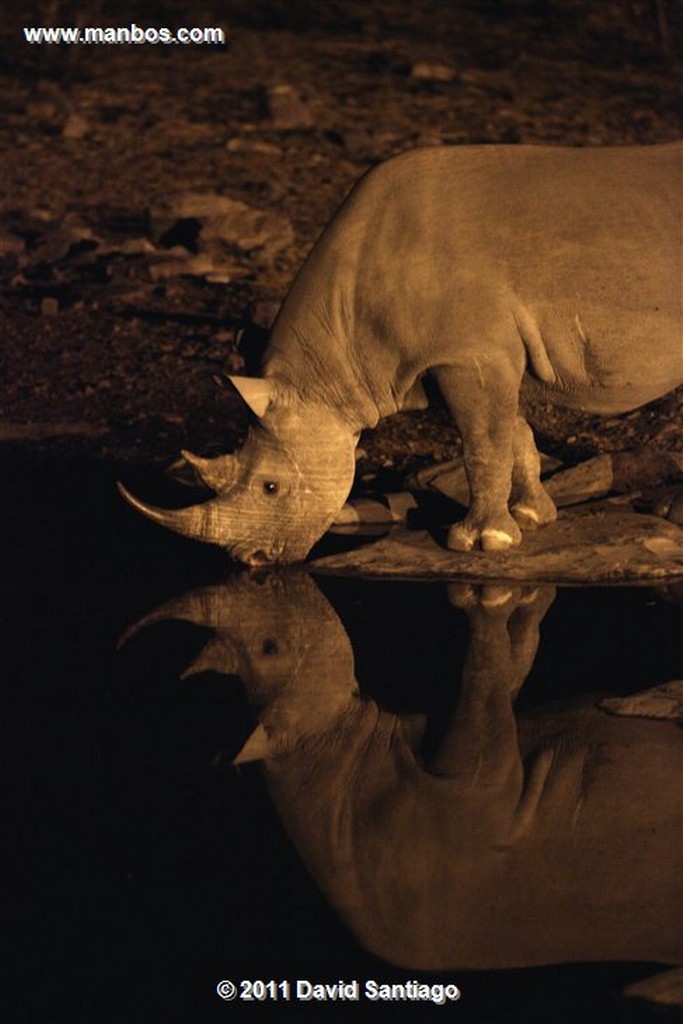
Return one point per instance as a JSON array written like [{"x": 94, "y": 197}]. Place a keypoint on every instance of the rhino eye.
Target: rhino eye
[{"x": 270, "y": 487}]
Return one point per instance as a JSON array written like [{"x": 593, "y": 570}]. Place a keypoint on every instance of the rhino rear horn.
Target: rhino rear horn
[
  {"x": 219, "y": 474},
  {"x": 216, "y": 656}
]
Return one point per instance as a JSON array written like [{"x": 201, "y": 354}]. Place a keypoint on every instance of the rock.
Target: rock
[
  {"x": 595, "y": 543},
  {"x": 76, "y": 127},
  {"x": 287, "y": 108},
  {"x": 428, "y": 140},
  {"x": 49, "y": 306},
  {"x": 360, "y": 513},
  {"x": 665, "y": 701},
  {"x": 41, "y": 431},
  {"x": 616, "y": 473},
  {"x": 262, "y": 312},
  {"x": 670, "y": 506},
  {"x": 663, "y": 992},
  {"x": 56, "y": 242},
  {"x": 234, "y": 363},
  {"x": 607, "y": 474},
  {"x": 239, "y": 145},
  {"x": 218, "y": 221},
  {"x": 132, "y": 247},
  {"x": 42, "y": 111},
  {"x": 646, "y": 467},
  {"x": 361, "y": 145},
  {"x": 449, "y": 478},
  {"x": 427, "y": 72},
  {"x": 183, "y": 264},
  {"x": 11, "y": 244},
  {"x": 591, "y": 479}
]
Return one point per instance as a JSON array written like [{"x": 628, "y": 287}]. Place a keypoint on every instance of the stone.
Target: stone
[
  {"x": 75, "y": 127},
  {"x": 449, "y": 478},
  {"x": 665, "y": 701},
  {"x": 43, "y": 431},
  {"x": 596, "y": 543},
  {"x": 258, "y": 146},
  {"x": 287, "y": 107},
  {"x": 606, "y": 474},
  {"x": 182, "y": 264},
  {"x": 428, "y": 72},
  {"x": 362, "y": 145},
  {"x": 360, "y": 513},
  {"x": 222, "y": 221},
  {"x": 646, "y": 467},
  {"x": 262, "y": 312},
  {"x": 591, "y": 479},
  {"x": 11, "y": 244},
  {"x": 663, "y": 992},
  {"x": 670, "y": 505},
  {"x": 49, "y": 306}
]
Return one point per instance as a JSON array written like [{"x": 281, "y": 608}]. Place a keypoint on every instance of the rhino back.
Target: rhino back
[
  {"x": 571, "y": 252},
  {"x": 410, "y": 862}
]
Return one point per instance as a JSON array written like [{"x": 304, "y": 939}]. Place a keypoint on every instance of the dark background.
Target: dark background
[{"x": 101, "y": 353}]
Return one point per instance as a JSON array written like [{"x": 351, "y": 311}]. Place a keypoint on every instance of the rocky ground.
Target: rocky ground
[{"x": 157, "y": 201}]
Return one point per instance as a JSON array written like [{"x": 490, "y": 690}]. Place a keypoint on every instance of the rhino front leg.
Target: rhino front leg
[
  {"x": 480, "y": 748},
  {"x": 482, "y": 396},
  {"x": 530, "y": 503},
  {"x": 480, "y": 744}
]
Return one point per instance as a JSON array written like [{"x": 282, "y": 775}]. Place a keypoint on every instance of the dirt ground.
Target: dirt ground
[{"x": 121, "y": 300}]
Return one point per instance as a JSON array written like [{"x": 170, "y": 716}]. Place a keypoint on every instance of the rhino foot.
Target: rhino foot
[
  {"x": 530, "y": 503},
  {"x": 531, "y": 512},
  {"x": 491, "y": 534}
]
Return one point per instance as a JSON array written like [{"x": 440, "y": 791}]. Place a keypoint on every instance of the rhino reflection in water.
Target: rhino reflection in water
[{"x": 549, "y": 837}]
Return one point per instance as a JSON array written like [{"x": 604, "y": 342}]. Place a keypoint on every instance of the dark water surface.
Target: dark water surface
[{"x": 145, "y": 868}]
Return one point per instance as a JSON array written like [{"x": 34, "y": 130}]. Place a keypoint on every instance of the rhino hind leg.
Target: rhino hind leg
[
  {"x": 482, "y": 397},
  {"x": 530, "y": 503}
]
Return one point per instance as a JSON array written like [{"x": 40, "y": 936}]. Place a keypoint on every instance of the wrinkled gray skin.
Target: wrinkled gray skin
[
  {"x": 551, "y": 836},
  {"x": 488, "y": 267}
]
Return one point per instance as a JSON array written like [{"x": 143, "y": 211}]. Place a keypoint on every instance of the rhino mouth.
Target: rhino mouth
[{"x": 256, "y": 559}]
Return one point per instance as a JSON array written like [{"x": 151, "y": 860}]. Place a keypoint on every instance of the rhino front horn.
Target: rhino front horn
[{"x": 197, "y": 521}]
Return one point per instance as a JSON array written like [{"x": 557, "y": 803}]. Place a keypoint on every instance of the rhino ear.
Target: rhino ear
[
  {"x": 257, "y": 392},
  {"x": 257, "y": 748}
]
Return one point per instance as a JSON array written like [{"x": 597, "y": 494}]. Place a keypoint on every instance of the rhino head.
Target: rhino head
[
  {"x": 277, "y": 495},
  {"x": 282, "y": 638}
]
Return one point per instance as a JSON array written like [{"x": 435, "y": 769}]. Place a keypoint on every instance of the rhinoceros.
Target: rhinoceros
[
  {"x": 547, "y": 836},
  {"x": 484, "y": 267}
]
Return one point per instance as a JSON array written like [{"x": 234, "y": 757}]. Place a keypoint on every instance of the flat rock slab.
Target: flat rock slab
[
  {"x": 665, "y": 701},
  {"x": 663, "y": 992},
  {"x": 587, "y": 544}
]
